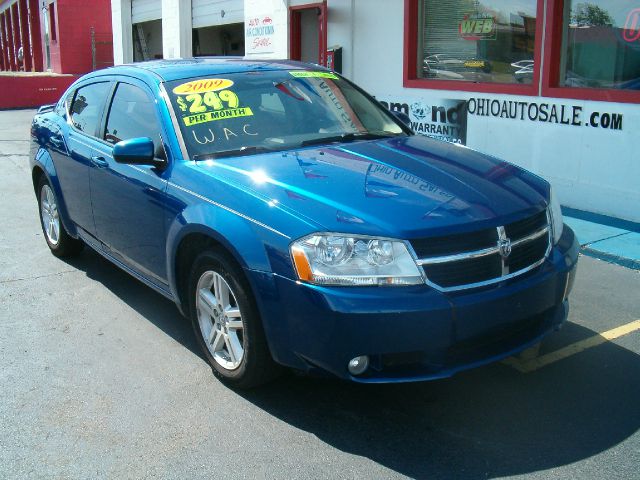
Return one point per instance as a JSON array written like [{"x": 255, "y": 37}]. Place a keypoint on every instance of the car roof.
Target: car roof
[{"x": 176, "y": 69}]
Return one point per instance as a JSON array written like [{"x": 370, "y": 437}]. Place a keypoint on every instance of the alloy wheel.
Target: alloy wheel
[
  {"x": 220, "y": 320},
  {"x": 49, "y": 215}
]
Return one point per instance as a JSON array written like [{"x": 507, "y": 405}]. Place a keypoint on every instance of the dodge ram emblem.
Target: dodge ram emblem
[{"x": 504, "y": 246}]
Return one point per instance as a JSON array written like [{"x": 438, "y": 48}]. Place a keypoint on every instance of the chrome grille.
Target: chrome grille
[{"x": 483, "y": 257}]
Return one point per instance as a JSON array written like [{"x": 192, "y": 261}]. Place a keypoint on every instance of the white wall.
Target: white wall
[
  {"x": 341, "y": 29},
  {"x": 121, "y": 26},
  {"x": 593, "y": 169},
  {"x": 176, "y": 28}
]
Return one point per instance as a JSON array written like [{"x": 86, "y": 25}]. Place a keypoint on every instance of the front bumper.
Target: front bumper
[{"x": 414, "y": 333}]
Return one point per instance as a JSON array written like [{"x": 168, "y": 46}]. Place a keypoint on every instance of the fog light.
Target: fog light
[{"x": 358, "y": 365}]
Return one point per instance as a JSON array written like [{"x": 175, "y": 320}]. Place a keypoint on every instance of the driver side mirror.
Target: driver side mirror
[{"x": 137, "y": 151}]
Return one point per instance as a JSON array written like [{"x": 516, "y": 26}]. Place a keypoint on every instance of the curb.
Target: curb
[{"x": 608, "y": 257}]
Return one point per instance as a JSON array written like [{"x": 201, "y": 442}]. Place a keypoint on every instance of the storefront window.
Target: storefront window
[
  {"x": 477, "y": 40},
  {"x": 601, "y": 44}
]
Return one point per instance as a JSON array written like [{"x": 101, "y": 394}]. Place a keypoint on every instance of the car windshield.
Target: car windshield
[{"x": 258, "y": 111}]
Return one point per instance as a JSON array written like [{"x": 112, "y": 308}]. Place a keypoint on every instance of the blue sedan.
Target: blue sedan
[{"x": 298, "y": 223}]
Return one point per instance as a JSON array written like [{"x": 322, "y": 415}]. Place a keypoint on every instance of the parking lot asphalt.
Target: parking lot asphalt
[{"x": 101, "y": 378}]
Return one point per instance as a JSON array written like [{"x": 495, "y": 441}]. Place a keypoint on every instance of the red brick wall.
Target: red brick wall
[
  {"x": 71, "y": 53},
  {"x": 32, "y": 91}
]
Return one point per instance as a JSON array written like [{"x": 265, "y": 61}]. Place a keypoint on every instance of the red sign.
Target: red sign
[{"x": 631, "y": 31}]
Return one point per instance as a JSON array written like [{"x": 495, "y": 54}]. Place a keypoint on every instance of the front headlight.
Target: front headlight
[
  {"x": 335, "y": 259},
  {"x": 555, "y": 212}
]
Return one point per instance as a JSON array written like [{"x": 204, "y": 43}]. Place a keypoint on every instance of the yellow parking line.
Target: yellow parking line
[{"x": 544, "y": 360}]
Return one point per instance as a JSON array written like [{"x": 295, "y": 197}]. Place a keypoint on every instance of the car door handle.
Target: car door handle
[
  {"x": 99, "y": 161},
  {"x": 56, "y": 142}
]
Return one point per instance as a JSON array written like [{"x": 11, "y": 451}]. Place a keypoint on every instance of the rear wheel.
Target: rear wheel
[
  {"x": 59, "y": 241},
  {"x": 226, "y": 321}
]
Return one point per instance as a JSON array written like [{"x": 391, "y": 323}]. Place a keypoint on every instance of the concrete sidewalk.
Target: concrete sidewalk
[{"x": 607, "y": 238}]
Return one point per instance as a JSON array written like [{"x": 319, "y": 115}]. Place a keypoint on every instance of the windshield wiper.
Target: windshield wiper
[
  {"x": 350, "y": 137},
  {"x": 238, "y": 152}
]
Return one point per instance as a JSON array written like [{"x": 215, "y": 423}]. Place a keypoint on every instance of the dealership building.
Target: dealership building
[
  {"x": 551, "y": 85},
  {"x": 44, "y": 47}
]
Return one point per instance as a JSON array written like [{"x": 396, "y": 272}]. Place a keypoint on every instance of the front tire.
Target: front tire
[
  {"x": 226, "y": 321},
  {"x": 59, "y": 241}
]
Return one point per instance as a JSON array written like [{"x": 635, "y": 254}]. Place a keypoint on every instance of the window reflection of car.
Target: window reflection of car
[
  {"x": 443, "y": 61},
  {"x": 522, "y": 64},
  {"x": 572, "y": 79},
  {"x": 453, "y": 68},
  {"x": 633, "y": 84},
  {"x": 523, "y": 71},
  {"x": 429, "y": 72}
]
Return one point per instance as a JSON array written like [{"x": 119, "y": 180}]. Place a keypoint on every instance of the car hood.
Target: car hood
[{"x": 402, "y": 187}]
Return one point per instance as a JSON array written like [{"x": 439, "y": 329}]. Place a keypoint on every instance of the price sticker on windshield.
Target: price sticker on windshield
[
  {"x": 203, "y": 85},
  {"x": 312, "y": 74},
  {"x": 207, "y": 100}
]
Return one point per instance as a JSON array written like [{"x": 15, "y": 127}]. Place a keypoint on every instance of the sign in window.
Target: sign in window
[{"x": 477, "y": 41}]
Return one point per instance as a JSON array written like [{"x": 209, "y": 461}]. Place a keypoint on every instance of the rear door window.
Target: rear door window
[
  {"x": 132, "y": 115},
  {"x": 86, "y": 109}
]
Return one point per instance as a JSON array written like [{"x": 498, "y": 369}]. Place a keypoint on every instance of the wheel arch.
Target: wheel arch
[
  {"x": 190, "y": 246},
  {"x": 43, "y": 165},
  {"x": 36, "y": 174},
  {"x": 186, "y": 240}
]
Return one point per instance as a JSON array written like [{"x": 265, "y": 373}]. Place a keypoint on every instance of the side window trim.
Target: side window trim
[
  {"x": 68, "y": 100},
  {"x": 62, "y": 107},
  {"x": 102, "y": 124}
]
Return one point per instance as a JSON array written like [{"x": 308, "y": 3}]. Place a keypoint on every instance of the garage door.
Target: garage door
[
  {"x": 206, "y": 13},
  {"x": 145, "y": 10}
]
